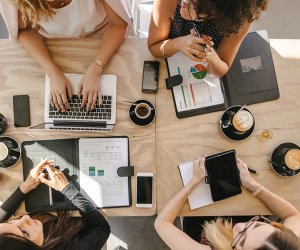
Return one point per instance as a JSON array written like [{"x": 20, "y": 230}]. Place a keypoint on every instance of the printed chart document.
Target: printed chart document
[
  {"x": 99, "y": 160},
  {"x": 198, "y": 89},
  {"x": 201, "y": 195}
]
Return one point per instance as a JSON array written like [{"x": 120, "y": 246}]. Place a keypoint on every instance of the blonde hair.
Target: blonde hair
[
  {"x": 32, "y": 10},
  {"x": 219, "y": 233}
]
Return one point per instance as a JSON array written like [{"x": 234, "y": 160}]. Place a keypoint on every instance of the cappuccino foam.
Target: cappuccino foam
[
  {"x": 292, "y": 159},
  {"x": 3, "y": 151},
  {"x": 243, "y": 120}
]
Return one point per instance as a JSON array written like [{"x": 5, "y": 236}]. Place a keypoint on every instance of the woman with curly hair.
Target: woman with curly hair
[
  {"x": 31, "y": 21},
  {"x": 222, "y": 24},
  {"x": 258, "y": 233},
  {"x": 48, "y": 231}
]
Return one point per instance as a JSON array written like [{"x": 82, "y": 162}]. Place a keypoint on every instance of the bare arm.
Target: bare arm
[
  {"x": 112, "y": 39},
  {"x": 36, "y": 47},
  {"x": 220, "y": 61},
  {"x": 173, "y": 237},
  {"x": 278, "y": 205}
]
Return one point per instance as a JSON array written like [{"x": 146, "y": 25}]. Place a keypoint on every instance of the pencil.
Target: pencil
[{"x": 199, "y": 35}]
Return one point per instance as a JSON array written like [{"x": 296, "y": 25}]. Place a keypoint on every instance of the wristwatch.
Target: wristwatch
[{"x": 100, "y": 63}]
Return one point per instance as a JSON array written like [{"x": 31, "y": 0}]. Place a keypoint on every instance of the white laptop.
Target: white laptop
[{"x": 101, "y": 118}]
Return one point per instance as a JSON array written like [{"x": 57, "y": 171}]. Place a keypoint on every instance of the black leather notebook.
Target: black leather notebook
[
  {"x": 250, "y": 79},
  {"x": 66, "y": 155}
]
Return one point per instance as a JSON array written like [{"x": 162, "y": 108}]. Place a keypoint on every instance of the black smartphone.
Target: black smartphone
[
  {"x": 150, "y": 77},
  {"x": 144, "y": 183},
  {"x": 223, "y": 175},
  {"x": 21, "y": 110}
]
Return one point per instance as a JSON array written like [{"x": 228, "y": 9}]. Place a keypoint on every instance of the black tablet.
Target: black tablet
[{"x": 223, "y": 175}]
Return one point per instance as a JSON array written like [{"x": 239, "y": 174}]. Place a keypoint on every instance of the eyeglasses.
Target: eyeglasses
[{"x": 240, "y": 235}]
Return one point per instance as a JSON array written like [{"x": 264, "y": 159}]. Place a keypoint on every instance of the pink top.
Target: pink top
[
  {"x": 91, "y": 21},
  {"x": 80, "y": 18}
]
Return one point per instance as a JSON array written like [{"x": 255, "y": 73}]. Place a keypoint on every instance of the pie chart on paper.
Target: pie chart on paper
[{"x": 199, "y": 71}]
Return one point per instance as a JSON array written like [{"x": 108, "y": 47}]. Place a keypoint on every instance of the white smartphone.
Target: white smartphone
[{"x": 144, "y": 186}]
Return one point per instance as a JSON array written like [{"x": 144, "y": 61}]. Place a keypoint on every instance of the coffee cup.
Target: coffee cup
[
  {"x": 3, "y": 124},
  {"x": 292, "y": 159},
  {"x": 142, "y": 110},
  {"x": 242, "y": 121},
  {"x": 9, "y": 152}
]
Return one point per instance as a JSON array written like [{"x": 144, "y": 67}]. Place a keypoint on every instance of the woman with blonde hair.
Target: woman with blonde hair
[
  {"x": 257, "y": 233},
  {"x": 47, "y": 231},
  {"x": 31, "y": 21}
]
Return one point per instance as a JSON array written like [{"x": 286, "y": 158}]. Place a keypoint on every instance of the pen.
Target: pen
[
  {"x": 199, "y": 35},
  {"x": 50, "y": 197},
  {"x": 252, "y": 171}
]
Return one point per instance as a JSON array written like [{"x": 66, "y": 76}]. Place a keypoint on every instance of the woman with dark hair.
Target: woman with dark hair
[
  {"x": 48, "y": 231},
  {"x": 257, "y": 233},
  {"x": 222, "y": 24}
]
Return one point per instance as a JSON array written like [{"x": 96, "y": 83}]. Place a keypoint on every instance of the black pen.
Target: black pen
[
  {"x": 199, "y": 35},
  {"x": 252, "y": 171}
]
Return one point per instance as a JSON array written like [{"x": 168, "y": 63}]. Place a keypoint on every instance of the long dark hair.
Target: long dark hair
[
  {"x": 230, "y": 15},
  {"x": 58, "y": 231}
]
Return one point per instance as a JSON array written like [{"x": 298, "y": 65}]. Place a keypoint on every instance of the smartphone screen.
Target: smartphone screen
[
  {"x": 150, "y": 76},
  {"x": 144, "y": 191},
  {"x": 223, "y": 175},
  {"x": 21, "y": 110}
]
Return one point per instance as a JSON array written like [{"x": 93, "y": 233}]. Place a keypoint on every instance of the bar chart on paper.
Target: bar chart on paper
[{"x": 198, "y": 89}]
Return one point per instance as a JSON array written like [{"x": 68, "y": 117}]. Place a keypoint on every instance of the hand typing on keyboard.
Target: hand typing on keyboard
[
  {"x": 60, "y": 87},
  {"x": 89, "y": 87}
]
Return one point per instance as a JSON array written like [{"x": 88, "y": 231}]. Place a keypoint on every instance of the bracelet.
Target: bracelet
[
  {"x": 258, "y": 191},
  {"x": 163, "y": 50}
]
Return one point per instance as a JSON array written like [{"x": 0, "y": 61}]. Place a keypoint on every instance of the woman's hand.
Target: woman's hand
[
  {"x": 190, "y": 45},
  {"x": 247, "y": 180},
  {"x": 60, "y": 85},
  {"x": 57, "y": 180},
  {"x": 32, "y": 180},
  {"x": 198, "y": 169},
  {"x": 89, "y": 87}
]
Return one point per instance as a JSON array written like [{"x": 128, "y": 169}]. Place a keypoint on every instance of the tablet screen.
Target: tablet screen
[{"x": 223, "y": 175}]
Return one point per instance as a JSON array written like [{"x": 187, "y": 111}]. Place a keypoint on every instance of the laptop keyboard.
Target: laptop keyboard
[{"x": 100, "y": 112}]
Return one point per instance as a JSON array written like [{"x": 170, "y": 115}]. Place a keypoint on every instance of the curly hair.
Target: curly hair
[
  {"x": 33, "y": 10},
  {"x": 230, "y": 15}
]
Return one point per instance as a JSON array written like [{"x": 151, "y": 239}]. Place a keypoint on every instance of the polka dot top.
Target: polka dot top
[{"x": 182, "y": 27}]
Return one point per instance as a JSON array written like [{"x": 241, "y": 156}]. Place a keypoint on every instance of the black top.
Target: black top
[
  {"x": 182, "y": 27},
  {"x": 96, "y": 231}
]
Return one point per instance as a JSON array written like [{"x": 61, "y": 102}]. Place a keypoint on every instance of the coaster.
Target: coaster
[
  {"x": 278, "y": 155},
  {"x": 138, "y": 121},
  {"x": 15, "y": 153},
  {"x": 230, "y": 132}
]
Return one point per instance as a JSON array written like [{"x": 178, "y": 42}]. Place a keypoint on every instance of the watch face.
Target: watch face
[{"x": 100, "y": 63}]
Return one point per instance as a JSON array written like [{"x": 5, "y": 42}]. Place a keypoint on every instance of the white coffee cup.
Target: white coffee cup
[
  {"x": 142, "y": 110},
  {"x": 243, "y": 120}
]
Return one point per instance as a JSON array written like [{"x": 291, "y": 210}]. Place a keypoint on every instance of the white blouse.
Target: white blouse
[{"x": 80, "y": 18}]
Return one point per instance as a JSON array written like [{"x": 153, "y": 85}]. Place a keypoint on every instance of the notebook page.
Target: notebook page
[
  {"x": 200, "y": 196},
  {"x": 99, "y": 160},
  {"x": 198, "y": 89}
]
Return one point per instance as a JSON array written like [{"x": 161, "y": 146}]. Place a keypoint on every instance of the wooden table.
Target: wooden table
[
  {"x": 179, "y": 140},
  {"x": 20, "y": 74}
]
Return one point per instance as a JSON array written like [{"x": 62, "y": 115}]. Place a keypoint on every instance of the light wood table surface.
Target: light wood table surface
[
  {"x": 179, "y": 140},
  {"x": 20, "y": 74}
]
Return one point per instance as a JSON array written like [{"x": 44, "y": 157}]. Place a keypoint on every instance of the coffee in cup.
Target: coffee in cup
[
  {"x": 142, "y": 110},
  {"x": 242, "y": 121},
  {"x": 292, "y": 159}
]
